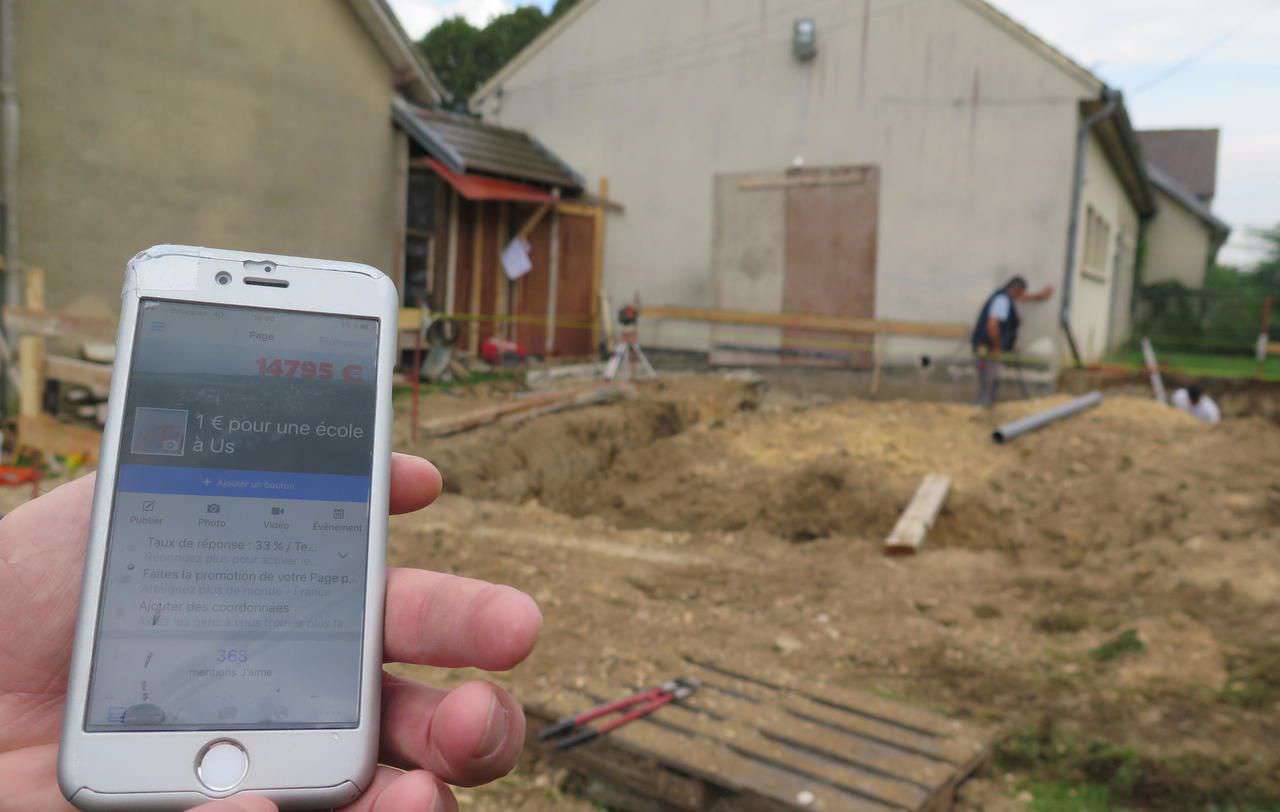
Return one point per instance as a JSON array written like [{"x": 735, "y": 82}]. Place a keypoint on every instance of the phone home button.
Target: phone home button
[{"x": 222, "y": 765}]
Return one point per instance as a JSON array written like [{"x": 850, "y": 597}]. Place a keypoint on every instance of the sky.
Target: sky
[{"x": 1180, "y": 63}]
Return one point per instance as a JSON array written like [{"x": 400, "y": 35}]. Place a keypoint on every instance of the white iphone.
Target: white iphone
[{"x": 230, "y": 629}]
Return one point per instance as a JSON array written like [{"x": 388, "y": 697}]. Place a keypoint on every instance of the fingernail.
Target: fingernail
[{"x": 495, "y": 730}]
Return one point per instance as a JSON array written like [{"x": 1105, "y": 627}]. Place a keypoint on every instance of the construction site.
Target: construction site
[
  {"x": 705, "y": 388},
  {"x": 1094, "y": 602}
]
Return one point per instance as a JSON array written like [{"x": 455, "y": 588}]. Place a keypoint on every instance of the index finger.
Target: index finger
[{"x": 415, "y": 483}]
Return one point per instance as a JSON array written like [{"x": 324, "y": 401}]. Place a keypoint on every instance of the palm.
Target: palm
[{"x": 450, "y": 735}]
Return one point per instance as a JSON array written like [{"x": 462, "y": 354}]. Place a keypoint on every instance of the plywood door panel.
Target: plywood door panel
[
  {"x": 748, "y": 255},
  {"x": 831, "y": 260}
]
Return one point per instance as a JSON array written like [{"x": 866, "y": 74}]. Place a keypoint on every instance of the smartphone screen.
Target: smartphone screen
[{"x": 234, "y": 588}]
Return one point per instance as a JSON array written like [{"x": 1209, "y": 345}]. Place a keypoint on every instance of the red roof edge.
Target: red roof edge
[{"x": 482, "y": 187}]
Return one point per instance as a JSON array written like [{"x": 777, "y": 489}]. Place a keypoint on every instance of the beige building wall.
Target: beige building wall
[
  {"x": 1099, "y": 310},
  {"x": 230, "y": 123},
  {"x": 1179, "y": 245},
  {"x": 972, "y": 126}
]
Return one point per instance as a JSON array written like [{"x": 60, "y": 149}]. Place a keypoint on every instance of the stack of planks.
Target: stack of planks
[{"x": 765, "y": 743}]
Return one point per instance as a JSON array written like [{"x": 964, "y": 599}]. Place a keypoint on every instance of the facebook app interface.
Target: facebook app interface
[{"x": 233, "y": 596}]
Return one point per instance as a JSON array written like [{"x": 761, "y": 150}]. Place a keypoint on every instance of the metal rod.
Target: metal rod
[
  {"x": 1017, "y": 428},
  {"x": 1153, "y": 370}
]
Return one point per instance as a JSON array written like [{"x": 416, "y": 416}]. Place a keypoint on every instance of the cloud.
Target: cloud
[
  {"x": 1231, "y": 86},
  {"x": 420, "y": 16}
]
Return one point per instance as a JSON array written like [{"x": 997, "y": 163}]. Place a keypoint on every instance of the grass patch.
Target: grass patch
[
  {"x": 1202, "y": 364},
  {"x": 1105, "y": 775},
  {"x": 1254, "y": 677},
  {"x": 985, "y": 611},
  {"x": 1061, "y": 623},
  {"x": 1060, "y": 796},
  {"x": 1125, "y": 643}
]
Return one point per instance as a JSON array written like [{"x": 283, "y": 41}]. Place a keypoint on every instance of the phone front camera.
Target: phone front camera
[{"x": 223, "y": 278}]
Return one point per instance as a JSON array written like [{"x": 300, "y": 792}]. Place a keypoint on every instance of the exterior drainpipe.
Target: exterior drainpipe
[
  {"x": 10, "y": 289},
  {"x": 1112, "y": 100}
]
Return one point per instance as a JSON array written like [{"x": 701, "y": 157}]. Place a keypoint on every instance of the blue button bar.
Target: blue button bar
[{"x": 253, "y": 484}]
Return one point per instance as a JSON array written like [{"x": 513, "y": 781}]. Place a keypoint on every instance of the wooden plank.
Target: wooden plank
[
  {"x": 597, "y": 265},
  {"x": 625, "y": 757},
  {"x": 866, "y": 716},
  {"x": 502, "y": 285},
  {"x": 743, "y": 740},
  {"x": 400, "y": 209},
  {"x": 23, "y": 320},
  {"x": 553, "y": 282},
  {"x": 410, "y": 319},
  {"x": 914, "y": 523},
  {"x": 841, "y": 177},
  {"x": 827, "y": 324},
  {"x": 576, "y": 209},
  {"x": 478, "y": 417},
  {"x": 532, "y": 221},
  {"x": 79, "y": 373},
  {"x": 477, "y": 264},
  {"x": 45, "y": 433},
  {"x": 451, "y": 259},
  {"x": 719, "y": 766},
  {"x": 862, "y": 752},
  {"x": 31, "y": 350}
]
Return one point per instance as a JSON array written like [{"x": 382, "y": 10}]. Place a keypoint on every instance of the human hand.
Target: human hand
[{"x": 468, "y": 736}]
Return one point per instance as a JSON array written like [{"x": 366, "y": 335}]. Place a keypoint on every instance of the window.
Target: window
[{"x": 1097, "y": 245}]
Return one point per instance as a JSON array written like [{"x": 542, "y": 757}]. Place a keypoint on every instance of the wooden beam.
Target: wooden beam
[
  {"x": 807, "y": 179},
  {"x": 79, "y": 373},
  {"x": 31, "y": 350},
  {"x": 908, "y": 534},
  {"x": 502, "y": 285},
  {"x": 576, "y": 209},
  {"x": 400, "y": 211},
  {"x": 451, "y": 258},
  {"x": 827, "y": 324},
  {"x": 531, "y": 222},
  {"x": 553, "y": 282},
  {"x": 24, "y": 320},
  {"x": 597, "y": 265},
  {"x": 477, "y": 276}
]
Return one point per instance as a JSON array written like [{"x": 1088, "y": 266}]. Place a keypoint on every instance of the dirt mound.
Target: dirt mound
[
  {"x": 1106, "y": 585},
  {"x": 554, "y": 458}
]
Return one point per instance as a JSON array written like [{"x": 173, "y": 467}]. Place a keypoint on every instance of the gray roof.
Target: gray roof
[
  {"x": 467, "y": 144},
  {"x": 1188, "y": 156},
  {"x": 1165, "y": 183}
]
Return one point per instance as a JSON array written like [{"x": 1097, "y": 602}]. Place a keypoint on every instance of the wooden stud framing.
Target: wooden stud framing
[
  {"x": 553, "y": 282},
  {"x": 532, "y": 222},
  {"x": 401, "y": 209},
  {"x": 477, "y": 277},
  {"x": 502, "y": 285},
  {"x": 31, "y": 350},
  {"x": 597, "y": 265},
  {"x": 451, "y": 260},
  {"x": 830, "y": 324}
]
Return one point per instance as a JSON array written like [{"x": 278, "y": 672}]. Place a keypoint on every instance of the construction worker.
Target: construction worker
[
  {"x": 996, "y": 332},
  {"x": 1196, "y": 403}
]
